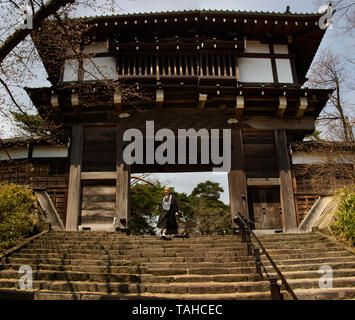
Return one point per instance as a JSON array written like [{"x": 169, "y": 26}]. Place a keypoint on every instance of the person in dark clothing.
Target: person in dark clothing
[{"x": 167, "y": 219}]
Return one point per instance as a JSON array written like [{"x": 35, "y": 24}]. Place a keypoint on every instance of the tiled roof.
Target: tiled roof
[{"x": 205, "y": 11}]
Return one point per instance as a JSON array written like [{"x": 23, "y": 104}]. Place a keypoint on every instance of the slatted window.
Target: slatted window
[{"x": 204, "y": 64}]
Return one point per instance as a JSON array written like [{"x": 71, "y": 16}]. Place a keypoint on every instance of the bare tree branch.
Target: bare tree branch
[{"x": 43, "y": 12}]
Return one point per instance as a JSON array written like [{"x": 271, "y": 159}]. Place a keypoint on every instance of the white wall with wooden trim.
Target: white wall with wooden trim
[
  {"x": 50, "y": 151},
  {"x": 255, "y": 70},
  {"x": 13, "y": 153},
  {"x": 314, "y": 158}
]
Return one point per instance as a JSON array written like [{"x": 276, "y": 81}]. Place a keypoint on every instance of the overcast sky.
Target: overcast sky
[{"x": 340, "y": 43}]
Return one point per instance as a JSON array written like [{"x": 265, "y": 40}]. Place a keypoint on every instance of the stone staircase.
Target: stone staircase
[
  {"x": 98, "y": 265},
  {"x": 299, "y": 258}
]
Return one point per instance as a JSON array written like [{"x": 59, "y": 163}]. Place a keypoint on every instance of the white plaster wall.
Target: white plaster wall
[
  {"x": 71, "y": 68},
  {"x": 15, "y": 153},
  {"x": 284, "y": 70},
  {"x": 96, "y": 47},
  {"x": 280, "y": 48},
  {"x": 50, "y": 152},
  {"x": 100, "y": 68},
  {"x": 307, "y": 158},
  {"x": 255, "y": 70},
  {"x": 256, "y": 47}
]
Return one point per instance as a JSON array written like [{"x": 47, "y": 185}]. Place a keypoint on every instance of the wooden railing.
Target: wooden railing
[
  {"x": 209, "y": 64},
  {"x": 246, "y": 233}
]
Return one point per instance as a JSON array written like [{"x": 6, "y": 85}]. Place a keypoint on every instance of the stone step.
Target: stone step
[
  {"x": 128, "y": 287},
  {"x": 109, "y": 249},
  {"x": 300, "y": 245},
  {"x": 308, "y": 274},
  {"x": 95, "y": 268},
  {"x": 92, "y": 263},
  {"x": 51, "y": 275},
  {"x": 120, "y": 255},
  {"x": 317, "y": 260},
  {"x": 340, "y": 293},
  {"x": 204, "y": 270},
  {"x": 290, "y": 236},
  {"x": 160, "y": 245},
  {"x": 154, "y": 240},
  {"x": 309, "y": 283},
  {"x": 302, "y": 294},
  {"x": 306, "y": 256},
  {"x": 311, "y": 266},
  {"x": 209, "y": 287},
  {"x": 102, "y": 261},
  {"x": 55, "y": 295},
  {"x": 275, "y": 252}
]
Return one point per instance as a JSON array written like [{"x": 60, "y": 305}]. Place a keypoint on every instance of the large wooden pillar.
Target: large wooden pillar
[
  {"x": 74, "y": 187},
  {"x": 287, "y": 195},
  {"x": 237, "y": 181},
  {"x": 122, "y": 187}
]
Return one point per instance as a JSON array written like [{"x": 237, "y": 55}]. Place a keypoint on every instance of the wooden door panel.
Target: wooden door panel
[{"x": 264, "y": 206}]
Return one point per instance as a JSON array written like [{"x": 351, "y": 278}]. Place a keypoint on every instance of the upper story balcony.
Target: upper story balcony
[
  {"x": 192, "y": 47},
  {"x": 236, "y": 61}
]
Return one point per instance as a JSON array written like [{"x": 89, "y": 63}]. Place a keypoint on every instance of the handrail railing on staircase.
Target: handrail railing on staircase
[{"x": 245, "y": 230}]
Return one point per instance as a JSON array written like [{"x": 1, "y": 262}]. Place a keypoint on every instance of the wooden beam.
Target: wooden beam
[
  {"x": 98, "y": 176},
  {"x": 237, "y": 182},
  {"x": 282, "y": 106},
  {"x": 117, "y": 102},
  {"x": 286, "y": 186},
  {"x": 55, "y": 101},
  {"x": 47, "y": 206},
  {"x": 302, "y": 106},
  {"x": 122, "y": 187},
  {"x": 75, "y": 101},
  {"x": 210, "y": 118},
  {"x": 74, "y": 187},
  {"x": 261, "y": 182},
  {"x": 159, "y": 99},
  {"x": 239, "y": 107},
  {"x": 202, "y": 101},
  {"x": 222, "y": 106}
]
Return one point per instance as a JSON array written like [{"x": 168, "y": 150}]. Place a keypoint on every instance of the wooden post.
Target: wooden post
[
  {"x": 122, "y": 187},
  {"x": 236, "y": 178},
  {"x": 74, "y": 187},
  {"x": 287, "y": 194}
]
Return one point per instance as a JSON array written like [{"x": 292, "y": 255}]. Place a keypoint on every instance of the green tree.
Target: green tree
[
  {"x": 145, "y": 204},
  {"x": 20, "y": 216},
  {"x": 315, "y": 136},
  {"x": 210, "y": 215},
  {"x": 208, "y": 190},
  {"x": 29, "y": 123}
]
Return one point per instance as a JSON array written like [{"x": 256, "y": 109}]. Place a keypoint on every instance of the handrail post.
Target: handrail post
[
  {"x": 248, "y": 240},
  {"x": 275, "y": 290},
  {"x": 258, "y": 261},
  {"x": 246, "y": 233},
  {"x": 242, "y": 231}
]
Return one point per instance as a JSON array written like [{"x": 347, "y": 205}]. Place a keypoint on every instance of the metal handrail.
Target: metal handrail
[{"x": 285, "y": 284}]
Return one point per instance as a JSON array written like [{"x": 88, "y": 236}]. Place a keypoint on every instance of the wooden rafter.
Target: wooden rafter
[
  {"x": 202, "y": 101},
  {"x": 239, "y": 106},
  {"x": 302, "y": 106},
  {"x": 75, "y": 101},
  {"x": 159, "y": 98},
  {"x": 282, "y": 106},
  {"x": 117, "y": 102},
  {"x": 55, "y": 101}
]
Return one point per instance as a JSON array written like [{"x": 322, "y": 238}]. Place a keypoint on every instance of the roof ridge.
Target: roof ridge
[{"x": 201, "y": 11}]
